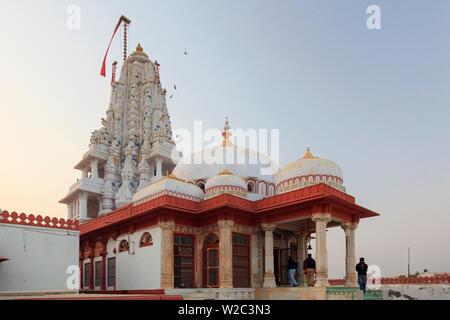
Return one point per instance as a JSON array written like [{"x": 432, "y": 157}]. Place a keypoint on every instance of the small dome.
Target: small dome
[
  {"x": 169, "y": 185},
  {"x": 308, "y": 171},
  {"x": 225, "y": 182}
]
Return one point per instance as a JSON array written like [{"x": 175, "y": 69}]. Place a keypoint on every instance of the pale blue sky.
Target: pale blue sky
[{"x": 376, "y": 102}]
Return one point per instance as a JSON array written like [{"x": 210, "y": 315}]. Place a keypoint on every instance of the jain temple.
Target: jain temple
[{"x": 150, "y": 219}]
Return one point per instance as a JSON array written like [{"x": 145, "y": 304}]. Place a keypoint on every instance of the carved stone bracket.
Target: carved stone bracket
[
  {"x": 268, "y": 226},
  {"x": 167, "y": 225},
  {"x": 348, "y": 227},
  {"x": 225, "y": 224},
  {"x": 326, "y": 217}
]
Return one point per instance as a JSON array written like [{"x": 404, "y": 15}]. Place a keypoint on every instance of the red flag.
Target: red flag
[{"x": 103, "y": 71}]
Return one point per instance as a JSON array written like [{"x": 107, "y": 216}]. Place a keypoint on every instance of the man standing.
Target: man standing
[
  {"x": 361, "y": 268},
  {"x": 292, "y": 267},
  {"x": 309, "y": 266}
]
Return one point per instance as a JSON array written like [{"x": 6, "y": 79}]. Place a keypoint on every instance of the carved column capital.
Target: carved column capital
[
  {"x": 326, "y": 217},
  {"x": 167, "y": 225},
  {"x": 301, "y": 234},
  {"x": 225, "y": 224},
  {"x": 268, "y": 226},
  {"x": 348, "y": 226}
]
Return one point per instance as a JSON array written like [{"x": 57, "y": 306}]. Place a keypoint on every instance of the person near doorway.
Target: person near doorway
[
  {"x": 361, "y": 268},
  {"x": 292, "y": 268},
  {"x": 310, "y": 270}
]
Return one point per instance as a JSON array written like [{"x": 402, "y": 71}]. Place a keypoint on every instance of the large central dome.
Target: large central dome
[{"x": 242, "y": 162}]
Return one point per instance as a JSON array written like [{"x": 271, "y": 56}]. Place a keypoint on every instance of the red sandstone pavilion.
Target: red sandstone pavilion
[{"x": 226, "y": 241}]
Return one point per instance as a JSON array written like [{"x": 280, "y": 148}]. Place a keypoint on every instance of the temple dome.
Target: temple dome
[
  {"x": 243, "y": 162},
  {"x": 214, "y": 161},
  {"x": 307, "y": 171},
  {"x": 225, "y": 182},
  {"x": 172, "y": 186}
]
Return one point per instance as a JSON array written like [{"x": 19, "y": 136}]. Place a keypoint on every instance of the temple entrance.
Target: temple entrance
[
  {"x": 280, "y": 261},
  {"x": 210, "y": 263}
]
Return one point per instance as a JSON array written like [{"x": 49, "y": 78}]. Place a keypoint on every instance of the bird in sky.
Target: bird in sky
[{"x": 175, "y": 87}]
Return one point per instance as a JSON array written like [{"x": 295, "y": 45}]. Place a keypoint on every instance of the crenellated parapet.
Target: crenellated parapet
[{"x": 37, "y": 221}]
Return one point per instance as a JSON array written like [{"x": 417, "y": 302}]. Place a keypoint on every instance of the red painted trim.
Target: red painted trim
[{"x": 289, "y": 205}]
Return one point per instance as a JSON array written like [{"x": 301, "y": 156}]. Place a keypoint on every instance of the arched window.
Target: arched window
[
  {"x": 201, "y": 185},
  {"x": 211, "y": 240},
  {"x": 251, "y": 186},
  {"x": 146, "y": 240},
  {"x": 124, "y": 246}
]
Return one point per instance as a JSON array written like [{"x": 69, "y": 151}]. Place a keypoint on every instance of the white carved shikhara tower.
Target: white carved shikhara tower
[{"x": 132, "y": 148}]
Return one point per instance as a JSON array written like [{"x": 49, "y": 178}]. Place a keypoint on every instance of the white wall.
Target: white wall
[
  {"x": 141, "y": 270},
  {"x": 418, "y": 292},
  {"x": 38, "y": 257}
]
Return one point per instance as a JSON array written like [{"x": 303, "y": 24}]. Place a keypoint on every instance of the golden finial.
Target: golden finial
[
  {"x": 225, "y": 172},
  {"x": 139, "y": 51},
  {"x": 308, "y": 154},
  {"x": 226, "y": 134}
]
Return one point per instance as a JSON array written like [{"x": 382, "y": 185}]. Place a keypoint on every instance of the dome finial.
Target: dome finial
[
  {"x": 226, "y": 134},
  {"x": 139, "y": 51},
  {"x": 308, "y": 154}
]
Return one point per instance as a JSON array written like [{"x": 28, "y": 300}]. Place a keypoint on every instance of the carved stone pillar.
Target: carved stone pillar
[
  {"x": 198, "y": 260},
  {"x": 158, "y": 168},
  {"x": 255, "y": 260},
  {"x": 350, "y": 259},
  {"x": 301, "y": 251},
  {"x": 91, "y": 280},
  {"x": 321, "y": 220},
  {"x": 83, "y": 206},
  {"x": 269, "y": 275},
  {"x": 167, "y": 227},
  {"x": 103, "y": 254},
  {"x": 94, "y": 169},
  {"x": 225, "y": 253}
]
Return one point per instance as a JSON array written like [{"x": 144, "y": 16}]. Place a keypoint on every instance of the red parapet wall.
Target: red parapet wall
[
  {"x": 38, "y": 221},
  {"x": 411, "y": 280}
]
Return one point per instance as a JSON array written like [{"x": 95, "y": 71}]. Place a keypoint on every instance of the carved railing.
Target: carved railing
[
  {"x": 37, "y": 221},
  {"x": 445, "y": 279}
]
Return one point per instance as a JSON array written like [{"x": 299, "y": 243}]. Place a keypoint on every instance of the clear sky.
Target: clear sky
[{"x": 374, "y": 101}]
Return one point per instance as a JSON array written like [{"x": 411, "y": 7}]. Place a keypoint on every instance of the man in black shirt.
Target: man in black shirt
[
  {"x": 361, "y": 268},
  {"x": 309, "y": 265}
]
